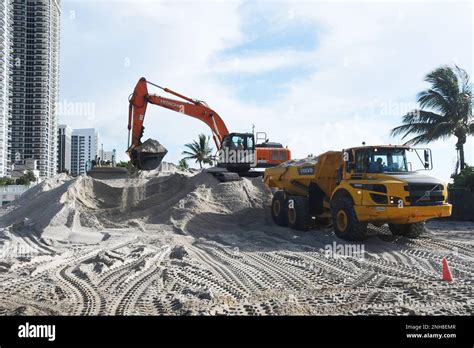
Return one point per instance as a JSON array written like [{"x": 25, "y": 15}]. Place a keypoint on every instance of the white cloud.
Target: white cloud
[
  {"x": 370, "y": 55},
  {"x": 262, "y": 62}
]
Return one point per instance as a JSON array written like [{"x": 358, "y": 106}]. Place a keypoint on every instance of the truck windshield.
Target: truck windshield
[{"x": 387, "y": 160}]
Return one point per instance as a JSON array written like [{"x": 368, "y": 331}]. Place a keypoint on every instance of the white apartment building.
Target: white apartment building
[
  {"x": 107, "y": 156},
  {"x": 35, "y": 82},
  {"x": 84, "y": 149},
  {"x": 6, "y": 39}
]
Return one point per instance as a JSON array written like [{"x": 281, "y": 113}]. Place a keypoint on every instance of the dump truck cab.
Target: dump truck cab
[
  {"x": 384, "y": 189},
  {"x": 357, "y": 186}
]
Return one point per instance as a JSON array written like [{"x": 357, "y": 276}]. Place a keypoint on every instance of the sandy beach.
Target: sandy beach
[{"x": 179, "y": 243}]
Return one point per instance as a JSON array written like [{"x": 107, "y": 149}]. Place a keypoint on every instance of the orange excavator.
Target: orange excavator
[{"x": 237, "y": 152}]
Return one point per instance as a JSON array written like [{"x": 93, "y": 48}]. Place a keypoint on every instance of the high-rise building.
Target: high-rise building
[
  {"x": 6, "y": 39},
  {"x": 84, "y": 149},
  {"x": 64, "y": 148},
  {"x": 35, "y": 79},
  {"x": 107, "y": 156}
]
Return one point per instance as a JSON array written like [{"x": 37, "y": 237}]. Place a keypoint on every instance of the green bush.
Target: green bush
[
  {"x": 6, "y": 181},
  {"x": 26, "y": 179},
  {"x": 123, "y": 164},
  {"x": 465, "y": 178}
]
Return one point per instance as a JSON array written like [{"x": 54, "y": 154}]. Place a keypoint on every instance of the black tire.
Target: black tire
[
  {"x": 297, "y": 208},
  {"x": 345, "y": 222},
  {"x": 278, "y": 209},
  {"x": 413, "y": 230}
]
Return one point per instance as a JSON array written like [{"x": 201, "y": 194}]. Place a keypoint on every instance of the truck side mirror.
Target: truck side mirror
[{"x": 427, "y": 158}]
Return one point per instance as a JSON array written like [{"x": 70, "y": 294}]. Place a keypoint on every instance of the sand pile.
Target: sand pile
[
  {"x": 62, "y": 206},
  {"x": 175, "y": 243},
  {"x": 212, "y": 206},
  {"x": 58, "y": 207}
]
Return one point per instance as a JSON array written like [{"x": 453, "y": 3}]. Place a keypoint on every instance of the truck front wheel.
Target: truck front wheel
[
  {"x": 345, "y": 222},
  {"x": 413, "y": 230},
  {"x": 279, "y": 213}
]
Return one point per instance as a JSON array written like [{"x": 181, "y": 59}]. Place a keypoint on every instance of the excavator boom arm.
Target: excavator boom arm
[
  {"x": 149, "y": 154},
  {"x": 197, "y": 109}
]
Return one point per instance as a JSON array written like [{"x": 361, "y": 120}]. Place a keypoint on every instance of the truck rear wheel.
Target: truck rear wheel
[
  {"x": 413, "y": 230},
  {"x": 298, "y": 213},
  {"x": 279, "y": 213},
  {"x": 345, "y": 222}
]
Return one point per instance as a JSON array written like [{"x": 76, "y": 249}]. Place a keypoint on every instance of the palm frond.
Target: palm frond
[
  {"x": 194, "y": 147},
  {"x": 464, "y": 77},
  {"x": 471, "y": 128},
  {"x": 444, "y": 81},
  {"x": 417, "y": 122},
  {"x": 434, "y": 100},
  {"x": 442, "y": 130},
  {"x": 412, "y": 128},
  {"x": 420, "y": 139},
  {"x": 187, "y": 153}
]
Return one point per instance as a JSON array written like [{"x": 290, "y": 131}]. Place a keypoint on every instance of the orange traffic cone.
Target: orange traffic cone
[{"x": 446, "y": 272}]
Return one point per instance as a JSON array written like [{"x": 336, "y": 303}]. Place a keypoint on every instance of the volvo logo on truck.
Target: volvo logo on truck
[{"x": 306, "y": 170}]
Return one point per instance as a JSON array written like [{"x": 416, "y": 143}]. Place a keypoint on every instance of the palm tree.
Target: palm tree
[
  {"x": 446, "y": 110},
  {"x": 183, "y": 164},
  {"x": 200, "y": 151}
]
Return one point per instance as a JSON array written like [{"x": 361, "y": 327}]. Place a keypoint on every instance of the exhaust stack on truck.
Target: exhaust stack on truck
[{"x": 357, "y": 186}]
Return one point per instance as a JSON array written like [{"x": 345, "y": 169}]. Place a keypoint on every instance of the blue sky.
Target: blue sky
[{"x": 316, "y": 76}]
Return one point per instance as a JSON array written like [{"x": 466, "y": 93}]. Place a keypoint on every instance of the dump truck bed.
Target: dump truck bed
[{"x": 296, "y": 175}]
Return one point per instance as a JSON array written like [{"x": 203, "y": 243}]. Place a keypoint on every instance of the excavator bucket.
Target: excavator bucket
[{"x": 148, "y": 156}]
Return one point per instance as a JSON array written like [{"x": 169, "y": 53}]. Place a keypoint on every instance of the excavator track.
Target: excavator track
[{"x": 222, "y": 174}]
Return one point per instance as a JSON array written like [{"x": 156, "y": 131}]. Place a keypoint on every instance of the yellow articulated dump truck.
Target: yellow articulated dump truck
[{"x": 355, "y": 187}]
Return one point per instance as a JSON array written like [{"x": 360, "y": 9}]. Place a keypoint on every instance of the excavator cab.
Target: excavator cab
[
  {"x": 237, "y": 152},
  {"x": 239, "y": 141}
]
